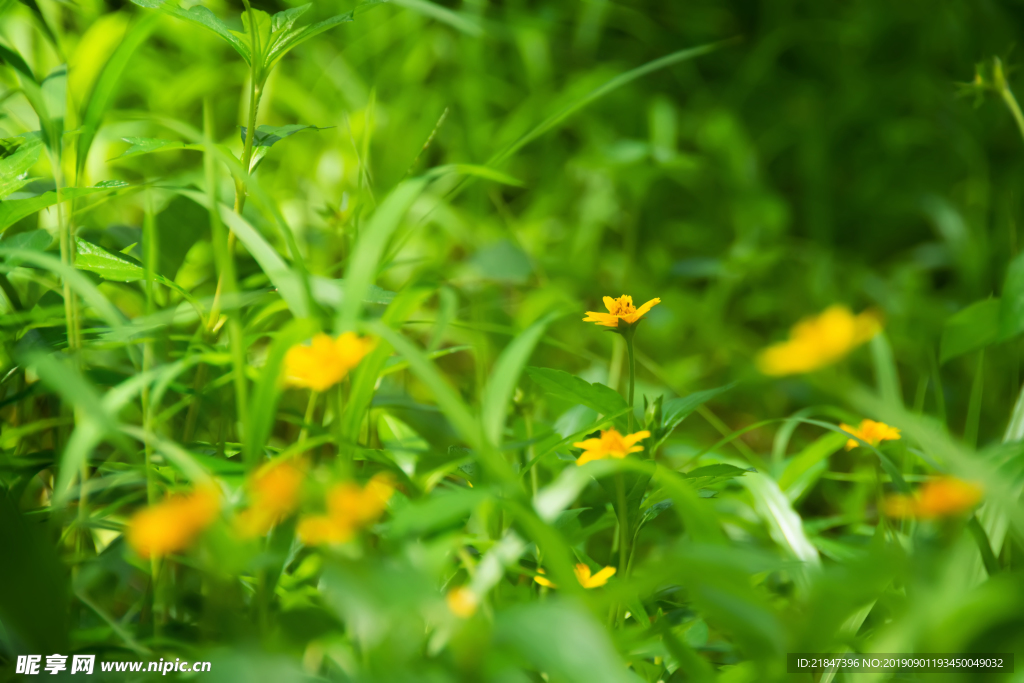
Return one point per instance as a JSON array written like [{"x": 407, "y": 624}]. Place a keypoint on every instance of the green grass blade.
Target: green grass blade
[
  {"x": 106, "y": 87},
  {"x": 362, "y": 268},
  {"x": 505, "y": 377}
]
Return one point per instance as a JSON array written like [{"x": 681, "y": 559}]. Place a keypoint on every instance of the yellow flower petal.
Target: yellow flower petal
[
  {"x": 325, "y": 361},
  {"x": 172, "y": 525},
  {"x": 542, "y": 580},
  {"x": 611, "y": 444},
  {"x": 601, "y": 578},
  {"x": 620, "y": 309},
  {"x": 870, "y": 432},
  {"x": 819, "y": 341},
  {"x": 462, "y": 602},
  {"x": 939, "y": 497}
]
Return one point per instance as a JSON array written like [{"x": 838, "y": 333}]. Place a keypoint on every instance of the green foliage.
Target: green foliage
[{"x": 479, "y": 175}]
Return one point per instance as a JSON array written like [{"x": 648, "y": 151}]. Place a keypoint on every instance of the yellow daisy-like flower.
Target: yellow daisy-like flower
[
  {"x": 583, "y": 575},
  {"x": 620, "y": 309},
  {"x": 172, "y": 525},
  {"x": 819, "y": 341},
  {"x": 611, "y": 444},
  {"x": 462, "y": 602},
  {"x": 325, "y": 361},
  {"x": 939, "y": 497},
  {"x": 870, "y": 431},
  {"x": 274, "y": 492},
  {"x": 349, "y": 508}
]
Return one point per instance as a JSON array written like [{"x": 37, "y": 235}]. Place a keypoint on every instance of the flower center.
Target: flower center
[{"x": 623, "y": 306}]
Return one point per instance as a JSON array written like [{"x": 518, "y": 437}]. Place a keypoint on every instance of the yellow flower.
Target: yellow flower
[
  {"x": 326, "y": 361},
  {"x": 870, "y": 431},
  {"x": 349, "y": 508},
  {"x": 620, "y": 309},
  {"x": 819, "y": 341},
  {"x": 462, "y": 602},
  {"x": 323, "y": 530},
  {"x": 172, "y": 525},
  {"x": 595, "y": 581},
  {"x": 274, "y": 492},
  {"x": 611, "y": 444},
  {"x": 939, "y": 497},
  {"x": 583, "y": 575}
]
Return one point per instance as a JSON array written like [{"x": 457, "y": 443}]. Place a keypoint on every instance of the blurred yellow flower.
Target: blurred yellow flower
[
  {"x": 462, "y": 602},
  {"x": 611, "y": 444},
  {"x": 819, "y": 341},
  {"x": 349, "y": 508},
  {"x": 583, "y": 575},
  {"x": 273, "y": 494},
  {"x": 323, "y": 530},
  {"x": 939, "y": 497},
  {"x": 325, "y": 361},
  {"x": 870, "y": 431},
  {"x": 173, "y": 524},
  {"x": 620, "y": 309}
]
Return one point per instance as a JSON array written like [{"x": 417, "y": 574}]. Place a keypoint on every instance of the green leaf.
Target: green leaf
[
  {"x": 365, "y": 378},
  {"x": 12, "y": 211},
  {"x": 201, "y": 16},
  {"x": 139, "y": 146},
  {"x": 709, "y": 475},
  {"x": 292, "y": 38},
  {"x": 784, "y": 524},
  {"x": 267, "y": 136},
  {"x": 1011, "y": 312},
  {"x": 459, "y": 21},
  {"x": 815, "y": 452},
  {"x": 282, "y": 21},
  {"x": 678, "y": 409},
  {"x": 436, "y": 512},
  {"x": 34, "y": 588},
  {"x": 108, "y": 265},
  {"x": 970, "y": 329},
  {"x": 120, "y": 268},
  {"x": 35, "y": 240},
  {"x": 622, "y": 79},
  {"x": 17, "y": 156},
  {"x": 103, "y": 93},
  {"x": 284, "y": 278},
  {"x": 179, "y": 226},
  {"x": 268, "y": 388},
  {"x": 571, "y": 388},
  {"x": 37, "y": 98},
  {"x": 562, "y": 639},
  {"x": 505, "y": 376},
  {"x": 362, "y": 269}
]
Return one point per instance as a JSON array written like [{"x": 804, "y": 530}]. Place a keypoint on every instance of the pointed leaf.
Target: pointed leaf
[
  {"x": 293, "y": 37},
  {"x": 282, "y": 21},
  {"x": 17, "y": 156},
  {"x": 12, "y": 211},
  {"x": 505, "y": 377},
  {"x": 203, "y": 17},
  {"x": 970, "y": 329},
  {"x": 678, "y": 409},
  {"x": 149, "y": 145},
  {"x": 571, "y": 388}
]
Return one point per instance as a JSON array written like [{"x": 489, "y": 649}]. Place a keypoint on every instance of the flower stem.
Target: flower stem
[
  {"x": 620, "y": 489},
  {"x": 308, "y": 419},
  {"x": 632, "y": 377}
]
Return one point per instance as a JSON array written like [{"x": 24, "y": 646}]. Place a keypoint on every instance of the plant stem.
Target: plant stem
[
  {"x": 620, "y": 489},
  {"x": 632, "y": 377},
  {"x": 308, "y": 418},
  {"x": 1004, "y": 92}
]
